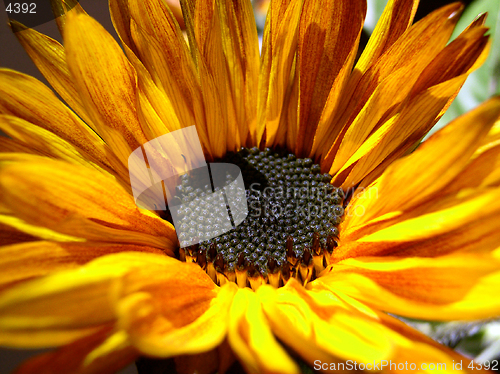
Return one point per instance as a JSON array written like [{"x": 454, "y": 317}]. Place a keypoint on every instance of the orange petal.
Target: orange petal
[
  {"x": 50, "y": 58},
  {"x": 105, "y": 81},
  {"x": 164, "y": 52},
  {"x": 482, "y": 171},
  {"x": 72, "y": 357},
  {"x": 415, "y": 178},
  {"x": 328, "y": 35},
  {"x": 251, "y": 338},
  {"x": 241, "y": 50},
  {"x": 454, "y": 63},
  {"x": 205, "y": 30},
  {"x": 278, "y": 53},
  {"x": 414, "y": 50},
  {"x": 455, "y": 223},
  {"x": 120, "y": 16},
  {"x": 27, "y": 98},
  {"x": 459, "y": 286},
  {"x": 418, "y": 116},
  {"x": 61, "y": 307},
  {"x": 199, "y": 326},
  {"x": 23, "y": 261},
  {"x": 77, "y": 201}
]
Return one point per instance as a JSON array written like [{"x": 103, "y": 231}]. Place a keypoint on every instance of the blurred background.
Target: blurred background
[{"x": 478, "y": 340}]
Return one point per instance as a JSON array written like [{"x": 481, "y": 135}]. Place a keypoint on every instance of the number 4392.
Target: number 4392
[
  {"x": 493, "y": 365},
  {"x": 17, "y": 8}
]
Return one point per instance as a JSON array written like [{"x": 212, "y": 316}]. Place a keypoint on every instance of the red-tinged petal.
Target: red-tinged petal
[
  {"x": 74, "y": 358},
  {"x": 328, "y": 39},
  {"x": 22, "y": 261},
  {"x": 50, "y": 58},
  {"x": 440, "y": 226},
  {"x": 458, "y": 286},
  {"x": 251, "y": 338},
  {"x": 416, "y": 178},
  {"x": 414, "y": 50},
  {"x": 106, "y": 82},
  {"x": 77, "y": 201},
  {"x": 155, "y": 330},
  {"x": 278, "y": 53},
  {"x": 27, "y": 98},
  {"x": 394, "y": 21}
]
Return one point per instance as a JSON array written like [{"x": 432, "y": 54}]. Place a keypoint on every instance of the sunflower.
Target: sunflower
[{"x": 403, "y": 226}]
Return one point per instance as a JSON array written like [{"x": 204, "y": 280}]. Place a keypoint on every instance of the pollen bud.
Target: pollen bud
[
  {"x": 255, "y": 277},
  {"x": 241, "y": 272},
  {"x": 306, "y": 266},
  {"x": 273, "y": 273}
]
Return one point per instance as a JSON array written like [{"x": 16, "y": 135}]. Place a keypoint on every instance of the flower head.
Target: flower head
[{"x": 399, "y": 226}]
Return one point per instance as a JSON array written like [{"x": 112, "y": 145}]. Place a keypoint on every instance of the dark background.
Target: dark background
[{"x": 13, "y": 56}]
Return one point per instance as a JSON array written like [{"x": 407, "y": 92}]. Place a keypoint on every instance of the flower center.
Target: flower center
[{"x": 290, "y": 228}]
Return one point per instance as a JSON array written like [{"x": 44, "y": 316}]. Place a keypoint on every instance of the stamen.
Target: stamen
[{"x": 290, "y": 231}]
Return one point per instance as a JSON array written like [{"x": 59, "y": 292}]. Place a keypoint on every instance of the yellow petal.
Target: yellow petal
[
  {"x": 251, "y": 339},
  {"x": 27, "y": 98},
  {"x": 461, "y": 224},
  {"x": 154, "y": 332},
  {"x": 459, "y": 286},
  {"x": 411, "y": 347},
  {"x": 58, "y": 308},
  {"x": 77, "y": 201},
  {"x": 415, "y": 178},
  {"x": 43, "y": 142},
  {"x": 61, "y": 7},
  {"x": 394, "y": 21},
  {"x": 319, "y": 326},
  {"x": 414, "y": 50},
  {"x": 13, "y": 227},
  {"x": 278, "y": 52},
  {"x": 22, "y": 261},
  {"x": 50, "y": 58},
  {"x": 105, "y": 81},
  {"x": 71, "y": 358},
  {"x": 241, "y": 50},
  {"x": 10, "y": 235},
  {"x": 328, "y": 35}
]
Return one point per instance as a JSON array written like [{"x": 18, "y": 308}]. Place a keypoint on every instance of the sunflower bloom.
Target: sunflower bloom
[{"x": 411, "y": 228}]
